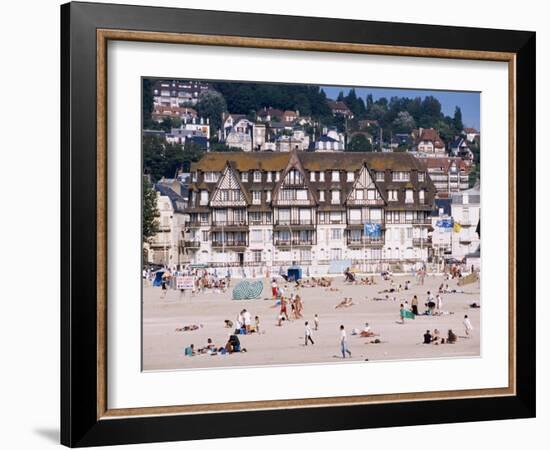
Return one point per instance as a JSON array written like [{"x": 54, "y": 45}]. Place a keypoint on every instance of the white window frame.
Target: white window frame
[
  {"x": 335, "y": 176},
  {"x": 244, "y": 177},
  {"x": 321, "y": 196},
  {"x": 322, "y": 176},
  {"x": 257, "y": 176},
  {"x": 335, "y": 197},
  {"x": 350, "y": 177},
  {"x": 256, "y": 197},
  {"x": 312, "y": 176},
  {"x": 380, "y": 176}
]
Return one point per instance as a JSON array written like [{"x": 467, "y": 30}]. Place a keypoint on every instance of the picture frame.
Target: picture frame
[{"x": 86, "y": 419}]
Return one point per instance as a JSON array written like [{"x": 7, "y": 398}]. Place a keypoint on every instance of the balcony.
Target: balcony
[
  {"x": 195, "y": 223},
  {"x": 192, "y": 244},
  {"x": 366, "y": 201},
  {"x": 293, "y": 242},
  {"x": 294, "y": 222},
  {"x": 365, "y": 242},
  {"x": 229, "y": 244},
  {"x": 422, "y": 242},
  {"x": 229, "y": 223}
]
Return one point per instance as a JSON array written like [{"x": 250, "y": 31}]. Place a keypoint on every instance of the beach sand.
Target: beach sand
[{"x": 163, "y": 346}]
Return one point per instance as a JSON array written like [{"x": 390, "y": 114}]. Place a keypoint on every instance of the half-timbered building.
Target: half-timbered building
[{"x": 265, "y": 211}]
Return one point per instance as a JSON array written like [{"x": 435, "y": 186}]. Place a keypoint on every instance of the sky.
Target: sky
[{"x": 467, "y": 101}]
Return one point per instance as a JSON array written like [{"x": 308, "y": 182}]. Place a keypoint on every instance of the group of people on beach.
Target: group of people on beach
[{"x": 233, "y": 345}]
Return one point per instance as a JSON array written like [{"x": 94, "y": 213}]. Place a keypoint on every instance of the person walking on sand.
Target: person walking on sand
[
  {"x": 439, "y": 303},
  {"x": 344, "y": 342},
  {"x": 316, "y": 321},
  {"x": 467, "y": 325},
  {"x": 307, "y": 332}
]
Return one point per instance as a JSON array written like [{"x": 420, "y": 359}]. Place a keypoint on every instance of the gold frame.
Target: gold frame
[{"x": 103, "y": 36}]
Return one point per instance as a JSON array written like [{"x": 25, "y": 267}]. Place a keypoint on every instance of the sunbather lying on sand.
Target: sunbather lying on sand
[{"x": 345, "y": 303}]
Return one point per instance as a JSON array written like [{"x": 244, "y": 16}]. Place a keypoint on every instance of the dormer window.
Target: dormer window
[
  {"x": 244, "y": 177},
  {"x": 421, "y": 177},
  {"x": 312, "y": 176},
  {"x": 401, "y": 176},
  {"x": 321, "y": 176},
  {"x": 350, "y": 177},
  {"x": 335, "y": 175},
  {"x": 257, "y": 176},
  {"x": 392, "y": 195},
  {"x": 380, "y": 176}
]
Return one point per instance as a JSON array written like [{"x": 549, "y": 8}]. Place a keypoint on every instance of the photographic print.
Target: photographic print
[{"x": 305, "y": 224}]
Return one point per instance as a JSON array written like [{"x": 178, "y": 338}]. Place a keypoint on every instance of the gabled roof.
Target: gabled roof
[{"x": 430, "y": 135}]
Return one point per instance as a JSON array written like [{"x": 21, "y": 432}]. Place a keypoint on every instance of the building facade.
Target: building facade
[
  {"x": 448, "y": 174},
  {"x": 465, "y": 210},
  {"x": 166, "y": 248},
  {"x": 260, "y": 213}
]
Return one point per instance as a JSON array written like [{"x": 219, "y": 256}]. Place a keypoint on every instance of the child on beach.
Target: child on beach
[
  {"x": 467, "y": 325},
  {"x": 257, "y": 324},
  {"x": 307, "y": 332}
]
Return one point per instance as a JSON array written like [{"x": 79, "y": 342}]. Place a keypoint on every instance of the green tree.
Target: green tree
[
  {"x": 403, "y": 123},
  {"x": 457, "y": 121},
  {"x": 150, "y": 211},
  {"x": 359, "y": 143},
  {"x": 147, "y": 102},
  {"x": 212, "y": 105}
]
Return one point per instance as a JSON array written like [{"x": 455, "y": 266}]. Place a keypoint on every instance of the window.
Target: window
[
  {"x": 256, "y": 236},
  {"x": 267, "y": 196},
  {"x": 421, "y": 195},
  {"x": 284, "y": 215},
  {"x": 335, "y": 254},
  {"x": 269, "y": 178},
  {"x": 376, "y": 215},
  {"x": 257, "y": 256},
  {"x": 257, "y": 176},
  {"x": 305, "y": 255},
  {"x": 205, "y": 236},
  {"x": 359, "y": 194},
  {"x": 355, "y": 215},
  {"x": 294, "y": 177},
  {"x": 321, "y": 196},
  {"x": 409, "y": 196},
  {"x": 336, "y": 234},
  {"x": 380, "y": 176},
  {"x": 267, "y": 217},
  {"x": 244, "y": 177},
  {"x": 371, "y": 194},
  {"x": 256, "y": 197},
  {"x": 224, "y": 195},
  {"x": 351, "y": 177},
  {"x": 335, "y": 175},
  {"x": 277, "y": 176},
  {"x": 409, "y": 233},
  {"x": 204, "y": 218},
  {"x": 255, "y": 217},
  {"x": 301, "y": 194},
  {"x": 392, "y": 195},
  {"x": 210, "y": 177},
  {"x": 400, "y": 176},
  {"x": 321, "y": 176},
  {"x": 421, "y": 177},
  {"x": 335, "y": 199},
  {"x": 204, "y": 197},
  {"x": 305, "y": 216},
  {"x": 335, "y": 217},
  {"x": 312, "y": 176}
]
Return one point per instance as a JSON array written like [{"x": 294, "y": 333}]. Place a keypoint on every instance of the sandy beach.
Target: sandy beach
[{"x": 163, "y": 346}]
